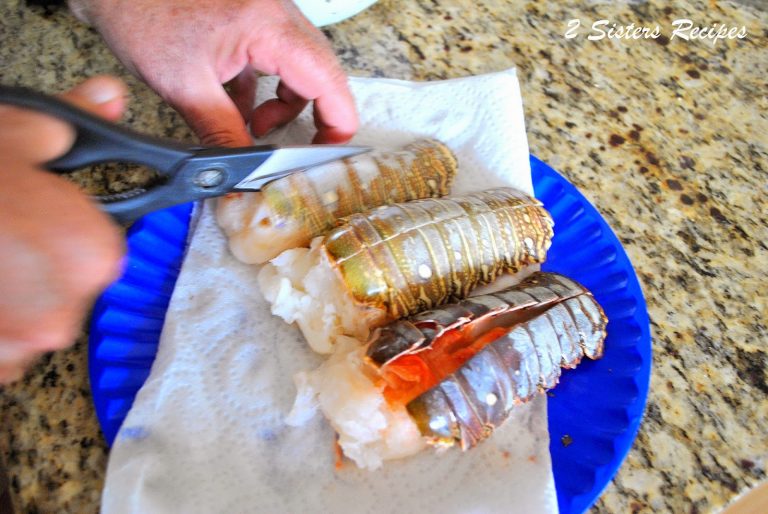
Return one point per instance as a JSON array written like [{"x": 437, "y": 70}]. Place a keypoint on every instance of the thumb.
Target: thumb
[
  {"x": 103, "y": 96},
  {"x": 212, "y": 115},
  {"x": 35, "y": 137}
]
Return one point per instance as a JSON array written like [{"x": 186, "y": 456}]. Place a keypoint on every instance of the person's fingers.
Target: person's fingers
[
  {"x": 242, "y": 91},
  {"x": 277, "y": 111},
  {"x": 59, "y": 250},
  {"x": 210, "y": 112},
  {"x": 37, "y": 138},
  {"x": 334, "y": 121},
  {"x": 32, "y": 136},
  {"x": 308, "y": 67},
  {"x": 14, "y": 359},
  {"x": 104, "y": 96}
]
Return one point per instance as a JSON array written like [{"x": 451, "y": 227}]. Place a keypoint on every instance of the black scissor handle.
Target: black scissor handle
[
  {"x": 98, "y": 140},
  {"x": 224, "y": 168}
]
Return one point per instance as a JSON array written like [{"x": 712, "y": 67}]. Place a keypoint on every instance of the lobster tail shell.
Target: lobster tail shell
[
  {"x": 409, "y": 257},
  {"x": 290, "y": 211},
  {"x": 551, "y": 322},
  {"x": 317, "y": 198}
]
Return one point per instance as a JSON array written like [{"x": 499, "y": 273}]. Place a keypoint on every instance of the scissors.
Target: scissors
[{"x": 188, "y": 172}]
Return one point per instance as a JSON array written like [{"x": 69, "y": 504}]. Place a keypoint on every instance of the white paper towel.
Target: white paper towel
[{"x": 206, "y": 432}]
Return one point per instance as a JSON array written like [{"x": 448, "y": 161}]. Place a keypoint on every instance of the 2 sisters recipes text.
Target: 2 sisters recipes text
[{"x": 681, "y": 28}]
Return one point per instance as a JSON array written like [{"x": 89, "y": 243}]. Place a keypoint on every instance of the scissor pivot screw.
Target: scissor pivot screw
[{"x": 211, "y": 177}]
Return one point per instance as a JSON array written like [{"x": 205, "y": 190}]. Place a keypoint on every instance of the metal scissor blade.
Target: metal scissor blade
[{"x": 288, "y": 159}]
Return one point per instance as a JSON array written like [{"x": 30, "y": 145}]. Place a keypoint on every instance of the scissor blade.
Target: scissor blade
[{"x": 288, "y": 159}]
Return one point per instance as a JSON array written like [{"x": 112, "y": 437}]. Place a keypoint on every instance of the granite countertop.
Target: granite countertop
[{"x": 666, "y": 137}]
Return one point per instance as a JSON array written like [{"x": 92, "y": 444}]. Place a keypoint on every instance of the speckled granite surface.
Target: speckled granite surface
[{"x": 668, "y": 138}]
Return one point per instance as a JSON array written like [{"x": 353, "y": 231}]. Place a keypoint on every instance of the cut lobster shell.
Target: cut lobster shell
[{"x": 549, "y": 322}]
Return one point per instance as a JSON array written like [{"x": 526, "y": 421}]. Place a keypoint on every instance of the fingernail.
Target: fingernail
[
  {"x": 262, "y": 133},
  {"x": 98, "y": 93}
]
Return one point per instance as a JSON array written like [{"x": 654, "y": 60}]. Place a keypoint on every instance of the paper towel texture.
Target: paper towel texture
[{"x": 206, "y": 432}]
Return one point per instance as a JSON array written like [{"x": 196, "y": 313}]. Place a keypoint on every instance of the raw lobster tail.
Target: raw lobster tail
[
  {"x": 462, "y": 368},
  {"x": 423, "y": 169},
  {"x": 410, "y": 257},
  {"x": 454, "y": 374},
  {"x": 290, "y": 211}
]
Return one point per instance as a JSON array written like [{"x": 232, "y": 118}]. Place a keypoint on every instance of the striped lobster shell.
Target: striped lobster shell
[
  {"x": 315, "y": 199},
  {"x": 409, "y": 257},
  {"x": 550, "y": 322}
]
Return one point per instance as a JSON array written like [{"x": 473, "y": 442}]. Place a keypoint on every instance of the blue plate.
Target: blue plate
[{"x": 594, "y": 413}]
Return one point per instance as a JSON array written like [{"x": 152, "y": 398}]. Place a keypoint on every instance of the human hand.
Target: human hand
[
  {"x": 57, "y": 249},
  {"x": 186, "y": 49}
]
